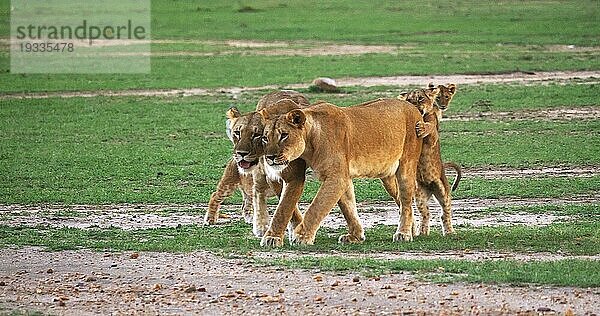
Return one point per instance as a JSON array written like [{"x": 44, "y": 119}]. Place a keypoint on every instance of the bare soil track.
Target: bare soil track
[
  {"x": 90, "y": 283},
  {"x": 518, "y": 77}
]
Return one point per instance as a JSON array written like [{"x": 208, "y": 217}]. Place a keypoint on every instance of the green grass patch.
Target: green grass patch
[
  {"x": 572, "y": 272},
  {"x": 173, "y": 150},
  {"x": 576, "y": 238}
]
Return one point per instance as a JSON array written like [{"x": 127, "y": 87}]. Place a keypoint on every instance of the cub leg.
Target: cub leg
[
  {"x": 423, "y": 194},
  {"x": 230, "y": 180},
  {"x": 328, "y": 195},
  {"x": 347, "y": 204},
  {"x": 441, "y": 191}
]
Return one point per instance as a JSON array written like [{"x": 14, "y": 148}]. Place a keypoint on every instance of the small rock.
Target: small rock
[
  {"x": 544, "y": 309},
  {"x": 335, "y": 283},
  {"x": 240, "y": 291},
  {"x": 325, "y": 84},
  {"x": 569, "y": 312},
  {"x": 61, "y": 303},
  {"x": 356, "y": 279},
  {"x": 386, "y": 287},
  {"x": 134, "y": 255},
  {"x": 269, "y": 299},
  {"x": 392, "y": 296},
  {"x": 190, "y": 289},
  {"x": 91, "y": 279},
  {"x": 454, "y": 293},
  {"x": 157, "y": 287},
  {"x": 319, "y": 299},
  {"x": 2, "y": 283},
  {"x": 49, "y": 270},
  {"x": 318, "y": 278},
  {"x": 201, "y": 289},
  {"x": 281, "y": 290}
]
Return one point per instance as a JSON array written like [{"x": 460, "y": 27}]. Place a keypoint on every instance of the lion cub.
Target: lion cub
[{"x": 431, "y": 176}]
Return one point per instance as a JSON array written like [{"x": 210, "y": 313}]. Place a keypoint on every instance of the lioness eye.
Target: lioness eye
[{"x": 283, "y": 136}]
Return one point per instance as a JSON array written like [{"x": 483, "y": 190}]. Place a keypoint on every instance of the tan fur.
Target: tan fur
[
  {"x": 431, "y": 176},
  {"x": 255, "y": 187},
  {"x": 373, "y": 140}
]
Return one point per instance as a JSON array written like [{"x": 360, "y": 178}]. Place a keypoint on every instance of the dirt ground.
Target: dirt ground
[{"x": 90, "y": 283}]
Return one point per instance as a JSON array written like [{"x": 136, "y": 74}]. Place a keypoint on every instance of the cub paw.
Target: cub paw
[
  {"x": 448, "y": 231},
  {"x": 248, "y": 216},
  {"x": 271, "y": 241},
  {"x": 351, "y": 239},
  {"x": 424, "y": 230},
  {"x": 423, "y": 129},
  {"x": 400, "y": 236}
]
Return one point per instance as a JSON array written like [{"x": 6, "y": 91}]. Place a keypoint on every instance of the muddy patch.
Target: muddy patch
[
  {"x": 89, "y": 283},
  {"x": 554, "y": 114},
  {"x": 467, "y": 212},
  {"x": 518, "y": 77}
]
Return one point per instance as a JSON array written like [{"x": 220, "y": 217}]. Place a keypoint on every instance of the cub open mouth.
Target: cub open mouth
[{"x": 246, "y": 164}]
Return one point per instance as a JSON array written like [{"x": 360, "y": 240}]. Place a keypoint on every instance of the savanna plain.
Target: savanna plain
[{"x": 105, "y": 179}]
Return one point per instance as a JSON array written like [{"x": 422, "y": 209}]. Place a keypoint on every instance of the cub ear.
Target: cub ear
[
  {"x": 233, "y": 113},
  {"x": 452, "y": 88},
  {"x": 432, "y": 92},
  {"x": 296, "y": 118},
  {"x": 430, "y": 85},
  {"x": 403, "y": 96}
]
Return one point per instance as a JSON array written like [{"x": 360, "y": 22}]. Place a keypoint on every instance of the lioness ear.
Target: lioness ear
[
  {"x": 296, "y": 118},
  {"x": 452, "y": 88},
  {"x": 264, "y": 114},
  {"x": 233, "y": 113}
]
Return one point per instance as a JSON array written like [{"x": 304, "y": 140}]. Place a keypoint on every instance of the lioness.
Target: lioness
[
  {"x": 372, "y": 140},
  {"x": 244, "y": 170},
  {"x": 431, "y": 176}
]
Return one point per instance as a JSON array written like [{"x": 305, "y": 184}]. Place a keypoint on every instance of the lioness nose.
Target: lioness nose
[
  {"x": 271, "y": 157},
  {"x": 242, "y": 153}
]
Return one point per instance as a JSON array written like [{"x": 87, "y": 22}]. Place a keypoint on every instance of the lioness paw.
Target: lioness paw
[
  {"x": 400, "y": 236},
  {"x": 259, "y": 230},
  {"x": 300, "y": 237},
  {"x": 271, "y": 241},
  {"x": 351, "y": 239}
]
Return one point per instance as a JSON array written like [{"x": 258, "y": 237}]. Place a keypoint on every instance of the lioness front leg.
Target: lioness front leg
[
  {"x": 260, "y": 219},
  {"x": 287, "y": 209},
  {"x": 328, "y": 195},
  {"x": 347, "y": 204}
]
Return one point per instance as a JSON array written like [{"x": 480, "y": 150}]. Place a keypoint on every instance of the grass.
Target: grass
[
  {"x": 574, "y": 238},
  {"x": 172, "y": 149},
  {"x": 465, "y": 37},
  {"x": 572, "y": 272}
]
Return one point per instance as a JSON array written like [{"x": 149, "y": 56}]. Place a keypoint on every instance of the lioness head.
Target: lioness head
[
  {"x": 445, "y": 96},
  {"x": 283, "y": 138},
  {"x": 423, "y": 99},
  {"x": 245, "y": 132}
]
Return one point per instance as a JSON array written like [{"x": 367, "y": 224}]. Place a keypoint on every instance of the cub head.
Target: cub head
[
  {"x": 423, "y": 99},
  {"x": 283, "y": 139},
  {"x": 245, "y": 132},
  {"x": 445, "y": 95}
]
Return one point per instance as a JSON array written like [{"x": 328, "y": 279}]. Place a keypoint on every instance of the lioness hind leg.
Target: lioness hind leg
[
  {"x": 230, "y": 180},
  {"x": 347, "y": 204},
  {"x": 406, "y": 178},
  {"x": 422, "y": 200},
  {"x": 441, "y": 191}
]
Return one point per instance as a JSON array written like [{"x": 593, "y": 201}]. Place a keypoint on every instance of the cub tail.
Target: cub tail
[{"x": 458, "y": 170}]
